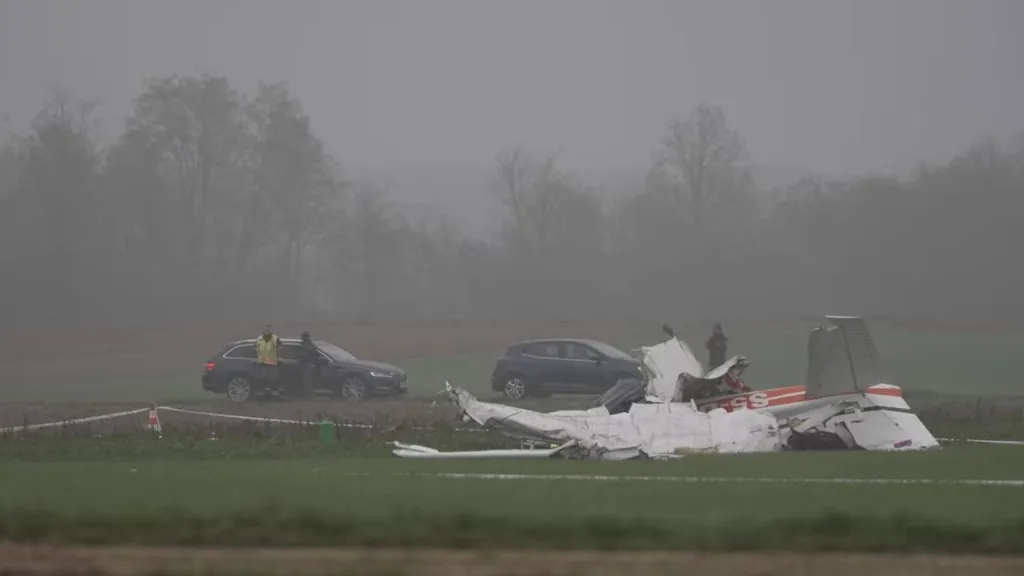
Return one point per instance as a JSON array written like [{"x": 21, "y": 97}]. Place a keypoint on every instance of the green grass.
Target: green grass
[
  {"x": 428, "y": 375},
  {"x": 326, "y": 501},
  {"x": 953, "y": 462}
]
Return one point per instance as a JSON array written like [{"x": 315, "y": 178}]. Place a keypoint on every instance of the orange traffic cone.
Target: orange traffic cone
[{"x": 154, "y": 420}]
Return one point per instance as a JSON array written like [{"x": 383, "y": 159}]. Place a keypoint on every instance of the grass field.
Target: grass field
[
  {"x": 208, "y": 483},
  {"x": 699, "y": 502}
]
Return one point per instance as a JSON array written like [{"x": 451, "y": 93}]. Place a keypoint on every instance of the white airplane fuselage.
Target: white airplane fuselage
[{"x": 789, "y": 401}]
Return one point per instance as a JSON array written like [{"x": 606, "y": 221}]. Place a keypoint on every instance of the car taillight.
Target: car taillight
[{"x": 210, "y": 366}]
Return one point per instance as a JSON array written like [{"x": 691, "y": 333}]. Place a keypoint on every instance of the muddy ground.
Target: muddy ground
[
  {"x": 143, "y": 561},
  {"x": 95, "y": 358},
  {"x": 384, "y": 413},
  {"x": 88, "y": 353},
  {"x": 994, "y": 418}
]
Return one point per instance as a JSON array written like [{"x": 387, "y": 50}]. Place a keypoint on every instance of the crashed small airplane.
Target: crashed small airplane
[{"x": 677, "y": 409}]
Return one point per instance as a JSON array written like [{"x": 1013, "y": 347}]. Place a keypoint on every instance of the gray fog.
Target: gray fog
[
  {"x": 452, "y": 159},
  {"x": 837, "y": 87}
]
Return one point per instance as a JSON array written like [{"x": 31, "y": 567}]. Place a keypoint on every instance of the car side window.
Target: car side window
[
  {"x": 542, "y": 350},
  {"x": 576, "y": 351},
  {"x": 288, "y": 352},
  {"x": 242, "y": 352}
]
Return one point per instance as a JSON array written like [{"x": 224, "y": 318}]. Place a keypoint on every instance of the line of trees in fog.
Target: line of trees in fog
[{"x": 213, "y": 203}]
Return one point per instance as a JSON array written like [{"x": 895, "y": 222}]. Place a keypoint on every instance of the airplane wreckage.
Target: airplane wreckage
[{"x": 676, "y": 409}]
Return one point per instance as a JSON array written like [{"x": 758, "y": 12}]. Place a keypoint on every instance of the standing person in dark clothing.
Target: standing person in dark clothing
[
  {"x": 717, "y": 344},
  {"x": 307, "y": 363}
]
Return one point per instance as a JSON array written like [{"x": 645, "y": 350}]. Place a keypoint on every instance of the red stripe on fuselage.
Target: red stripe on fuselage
[{"x": 780, "y": 397}]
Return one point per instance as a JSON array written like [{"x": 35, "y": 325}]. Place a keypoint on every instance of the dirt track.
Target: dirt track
[
  {"x": 90, "y": 355},
  {"x": 95, "y": 358},
  {"x": 141, "y": 561},
  {"x": 121, "y": 355}
]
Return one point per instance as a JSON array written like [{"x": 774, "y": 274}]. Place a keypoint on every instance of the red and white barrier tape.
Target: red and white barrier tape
[
  {"x": 72, "y": 421},
  {"x": 977, "y": 441},
  {"x": 114, "y": 415}
]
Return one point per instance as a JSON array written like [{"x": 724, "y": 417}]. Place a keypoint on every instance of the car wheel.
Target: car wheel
[
  {"x": 239, "y": 389},
  {"x": 515, "y": 388},
  {"x": 353, "y": 389}
]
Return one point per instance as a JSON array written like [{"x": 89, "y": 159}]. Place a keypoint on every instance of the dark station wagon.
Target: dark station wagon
[{"x": 338, "y": 373}]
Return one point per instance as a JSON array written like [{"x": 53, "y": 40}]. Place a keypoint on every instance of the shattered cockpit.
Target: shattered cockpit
[{"x": 673, "y": 374}]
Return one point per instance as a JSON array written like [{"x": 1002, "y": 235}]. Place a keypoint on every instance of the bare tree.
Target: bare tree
[
  {"x": 294, "y": 179},
  {"x": 209, "y": 198},
  {"x": 60, "y": 180},
  {"x": 198, "y": 124},
  {"x": 528, "y": 193},
  {"x": 515, "y": 193},
  {"x": 138, "y": 212},
  {"x": 705, "y": 157}
]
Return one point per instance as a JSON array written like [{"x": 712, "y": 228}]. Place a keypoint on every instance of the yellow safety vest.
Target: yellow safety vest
[{"x": 266, "y": 350}]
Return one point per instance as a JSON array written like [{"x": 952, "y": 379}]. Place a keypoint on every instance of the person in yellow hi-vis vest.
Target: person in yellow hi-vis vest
[{"x": 267, "y": 346}]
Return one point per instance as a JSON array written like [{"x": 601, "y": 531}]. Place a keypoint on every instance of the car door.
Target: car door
[
  {"x": 288, "y": 360},
  {"x": 242, "y": 358},
  {"x": 544, "y": 367},
  {"x": 585, "y": 368},
  {"x": 322, "y": 371}
]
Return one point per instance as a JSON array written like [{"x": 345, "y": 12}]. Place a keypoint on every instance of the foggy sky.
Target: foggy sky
[{"x": 831, "y": 86}]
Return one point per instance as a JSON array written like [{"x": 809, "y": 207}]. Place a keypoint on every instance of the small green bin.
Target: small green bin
[{"x": 327, "y": 435}]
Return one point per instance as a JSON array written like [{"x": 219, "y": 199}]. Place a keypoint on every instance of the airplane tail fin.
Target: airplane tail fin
[{"x": 842, "y": 358}]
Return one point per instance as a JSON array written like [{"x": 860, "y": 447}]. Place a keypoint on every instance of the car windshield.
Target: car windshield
[
  {"x": 610, "y": 351},
  {"x": 337, "y": 353}
]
